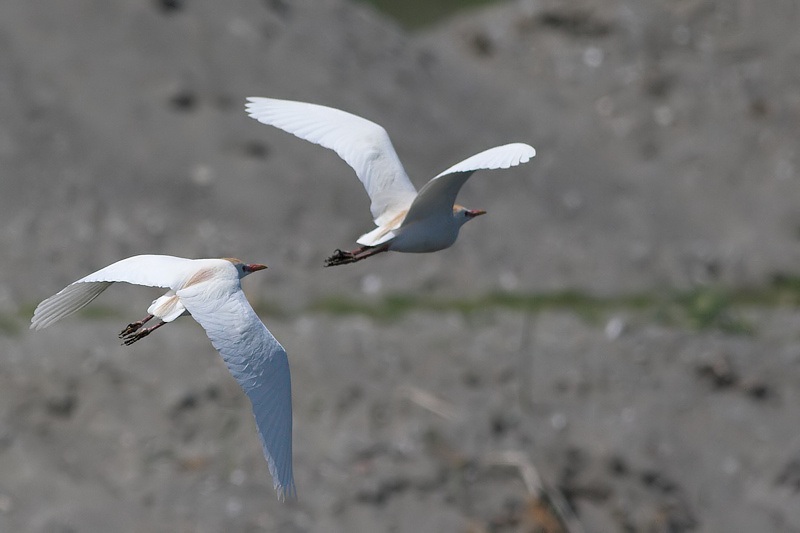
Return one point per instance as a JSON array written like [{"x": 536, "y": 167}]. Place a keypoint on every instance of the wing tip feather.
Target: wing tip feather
[{"x": 287, "y": 493}]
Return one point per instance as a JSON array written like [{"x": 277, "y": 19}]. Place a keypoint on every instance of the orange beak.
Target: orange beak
[{"x": 254, "y": 267}]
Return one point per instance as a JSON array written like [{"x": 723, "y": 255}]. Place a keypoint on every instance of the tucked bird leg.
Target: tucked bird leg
[
  {"x": 130, "y": 338},
  {"x": 341, "y": 257},
  {"x": 134, "y": 326}
]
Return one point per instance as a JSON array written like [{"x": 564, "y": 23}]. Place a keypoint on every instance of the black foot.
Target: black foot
[
  {"x": 131, "y": 328},
  {"x": 129, "y": 339},
  {"x": 340, "y": 257}
]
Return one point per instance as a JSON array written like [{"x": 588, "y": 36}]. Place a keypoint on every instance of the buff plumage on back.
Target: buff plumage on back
[{"x": 151, "y": 270}]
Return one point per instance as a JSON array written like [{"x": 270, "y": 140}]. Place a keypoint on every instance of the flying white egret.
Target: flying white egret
[
  {"x": 407, "y": 221},
  {"x": 210, "y": 290}
]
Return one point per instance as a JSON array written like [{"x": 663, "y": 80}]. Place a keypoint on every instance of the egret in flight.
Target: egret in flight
[
  {"x": 210, "y": 290},
  {"x": 406, "y": 221}
]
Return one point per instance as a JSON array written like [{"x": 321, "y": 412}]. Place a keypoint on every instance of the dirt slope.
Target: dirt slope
[{"x": 666, "y": 134}]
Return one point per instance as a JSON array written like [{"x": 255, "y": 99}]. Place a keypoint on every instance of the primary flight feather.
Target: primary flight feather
[
  {"x": 210, "y": 290},
  {"x": 406, "y": 221}
]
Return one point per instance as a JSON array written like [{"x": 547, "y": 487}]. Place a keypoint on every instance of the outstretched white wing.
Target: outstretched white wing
[
  {"x": 150, "y": 270},
  {"x": 257, "y": 361},
  {"x": 439, "y": 194},
  {"x": 364, "y": 145}
]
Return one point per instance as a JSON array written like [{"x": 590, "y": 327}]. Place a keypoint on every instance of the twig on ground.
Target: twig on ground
[
  {"x": 428, "y": 401},
  {"x": 549, "y": 507}
]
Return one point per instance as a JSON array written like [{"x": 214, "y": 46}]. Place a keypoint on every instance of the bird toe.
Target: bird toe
[
  {"x": 130, "y": 328},
  {"x": 339, "y": 257}
]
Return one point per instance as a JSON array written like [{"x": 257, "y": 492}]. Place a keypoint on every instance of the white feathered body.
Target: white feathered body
[
  {"x": 430, "y": 234},
  {"x": 210, "y": 290},
  {"x": 408, "y": 221}
]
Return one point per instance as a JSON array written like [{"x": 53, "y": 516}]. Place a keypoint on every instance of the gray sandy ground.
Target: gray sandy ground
[{"x": 667, "y": 139}]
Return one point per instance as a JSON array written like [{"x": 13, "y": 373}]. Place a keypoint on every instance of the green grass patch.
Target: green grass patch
[
  {"x": 394, "y": 306},
  {"x": 271, "y": 309},
  {"x": 10, "y": 325},
  {"x": 702, "y": 308}
]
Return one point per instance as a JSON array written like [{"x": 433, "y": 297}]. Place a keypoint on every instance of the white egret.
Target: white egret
[
  {"x": 406, "y": 221},
  {"x": 210, "y": 290}
]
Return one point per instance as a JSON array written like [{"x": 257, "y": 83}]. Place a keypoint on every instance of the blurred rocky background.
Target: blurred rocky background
[{"x": 614, "y": 347}]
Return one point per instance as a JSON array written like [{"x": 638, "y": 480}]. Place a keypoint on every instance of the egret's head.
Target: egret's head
[
  {"x": 245, "y": 268},
  {"x": 462, "y": 214}
]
